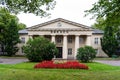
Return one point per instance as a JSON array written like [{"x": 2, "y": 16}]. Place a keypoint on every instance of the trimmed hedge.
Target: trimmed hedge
[
  {"x": 39, "y": 49},
  {"x": 86, "y": 54}
]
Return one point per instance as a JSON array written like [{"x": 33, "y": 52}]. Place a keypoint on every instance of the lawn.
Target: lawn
[{"x": 25, "y": 71}]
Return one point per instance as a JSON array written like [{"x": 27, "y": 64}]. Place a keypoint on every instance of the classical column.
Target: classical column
[
  {"x": 76, "y": 45},
  {"x": 88, "y": 40},
  {"x": 53, "y": 38},
  {"x": 64, "y": 55}
]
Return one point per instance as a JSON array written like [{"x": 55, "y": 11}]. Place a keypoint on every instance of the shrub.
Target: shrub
[
  {"x": 65, "y": 65},
  {"x": 86, "y": 54},
  {"x": 39, "y": 49}
]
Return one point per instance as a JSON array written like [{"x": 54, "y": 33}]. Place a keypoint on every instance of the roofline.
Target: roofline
[{"x": 59, "y": 19}]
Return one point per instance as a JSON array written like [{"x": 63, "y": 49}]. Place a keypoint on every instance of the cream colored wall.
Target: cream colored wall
[
  {"x": 55, "y": 25},
  {"x": 58, "y": 33},
  {"x": 71, "y": 45},
  {"x": 82, "y": 43},
  {"x": 98, "y": 46},
  {"x": 59, "y": 44},
  {"x": 39, "y": 33},
  {"x": 21, "y": 44},
  {"x": 80, "y": 32},
  {"x": 65, "y": 26}
]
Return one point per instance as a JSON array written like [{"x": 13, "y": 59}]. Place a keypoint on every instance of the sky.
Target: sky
[{"x": 72, "y": 10}]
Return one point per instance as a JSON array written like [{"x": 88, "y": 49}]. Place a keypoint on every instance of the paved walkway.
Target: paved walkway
[
  {"x": 12, "y": 60},
  {"x": 110, "y": 62},
  {"x": 19, "y": 60}
]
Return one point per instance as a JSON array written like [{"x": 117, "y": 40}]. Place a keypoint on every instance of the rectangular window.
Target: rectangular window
[
  {"x": 81, "y": 40},
  {"x": 70, "y": 39},
  {"x": 96, "y": 41},
  {"x": 59, "y": 39},
  {"x": 22, "y": 40},
  {"x": 69, "y": 51}
]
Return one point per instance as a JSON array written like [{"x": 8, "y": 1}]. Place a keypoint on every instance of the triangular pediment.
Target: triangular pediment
[{"x": 59, "y": 24}]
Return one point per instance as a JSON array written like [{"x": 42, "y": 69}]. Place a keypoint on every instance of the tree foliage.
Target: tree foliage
[
  {"x": 12, "y": 38},
  {"x": 4, "y": 19},
  {"x": 107, "y": 9},
  {"x": 39, "y": 49},
  {"x": 100, "y": 24},
  {"x": 9, "y": 32},
  {"x": 21, "y": 26},
  {"x": 109, "y": 41},
  {"x": 118, "y": 39},
  {"x": 38, "y": 7},
  {"x": 86, "y": 54}
]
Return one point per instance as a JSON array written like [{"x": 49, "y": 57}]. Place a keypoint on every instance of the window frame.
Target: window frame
[
  {"x": 70, "y": 39},
  {"x": 59, "y": 39},
  {"x": 70, "y": 51},
  {"x": 22, "y": 39},
  {"x": 81, "y": 40},
  {"x": 96, "y": 41}
]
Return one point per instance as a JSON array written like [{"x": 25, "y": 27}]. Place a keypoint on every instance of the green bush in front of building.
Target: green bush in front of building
[
  {"x": 39, "y": 49},
  {"x": 86, "y": 54}
]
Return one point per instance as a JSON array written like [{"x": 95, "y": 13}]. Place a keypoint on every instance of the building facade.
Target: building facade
[{"x": 67, "y": 35}]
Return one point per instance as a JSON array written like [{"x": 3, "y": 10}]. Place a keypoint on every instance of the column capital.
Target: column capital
[
  {"x": 77, "y": 34},
  {"x": 65, "y": 35},
  {"x": 41, "y": 35},
  {"x": 53, "y": 35},
  {"x": 89, "y": 35},
  {"x": 53, "y": 38}
]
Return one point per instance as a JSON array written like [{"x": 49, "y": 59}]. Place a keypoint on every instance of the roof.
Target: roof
[
  {"x": 24, "y": 31},
  {"x": 59, "y": 19},
  {"x": 97, "y": 31}
]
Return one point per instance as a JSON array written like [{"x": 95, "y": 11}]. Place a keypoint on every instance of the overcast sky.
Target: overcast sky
[{"x": 72, "y": 10}]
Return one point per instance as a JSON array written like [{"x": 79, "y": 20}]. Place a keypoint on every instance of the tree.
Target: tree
[
  {"x": 39, "y": 49},
  {"x": 9, "y": 32},
  {"x": 86, "y": 54},
  {"x": 2, "y": 29},
  {"x": 107, "y": 9},
  {"x": 100, "y": 24},
  {"x": 38, "y": 7},
  {"x": 4, "y": 18},
  {"x": 109, "y": 41},
  {"x": 118, "y": 39},
  {"x": 21, "y": 26},
  {"x": 12, "y": 38}
]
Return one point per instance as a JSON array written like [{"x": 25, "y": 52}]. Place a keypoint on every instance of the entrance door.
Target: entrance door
[{"x": 59, "y": 55}]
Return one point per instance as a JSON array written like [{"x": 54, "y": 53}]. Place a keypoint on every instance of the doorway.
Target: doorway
[{"x": 59, "y": 55}]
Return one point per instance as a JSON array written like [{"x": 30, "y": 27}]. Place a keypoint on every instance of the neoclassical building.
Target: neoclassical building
[{"x": 67, "y": 35}]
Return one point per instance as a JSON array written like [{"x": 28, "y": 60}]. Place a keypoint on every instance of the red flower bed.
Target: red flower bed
[{"x": 65, "y": 65}]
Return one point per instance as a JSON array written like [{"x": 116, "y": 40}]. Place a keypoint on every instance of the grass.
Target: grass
[{"x": 25, "y": 71}]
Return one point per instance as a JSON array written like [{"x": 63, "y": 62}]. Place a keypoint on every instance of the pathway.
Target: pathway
[
  {"x": 12, "y": 60},
  {"x": 110, "y": 62}
]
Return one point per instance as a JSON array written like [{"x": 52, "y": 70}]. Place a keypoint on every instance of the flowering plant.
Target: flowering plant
[{"x": 65, "y": 65}]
